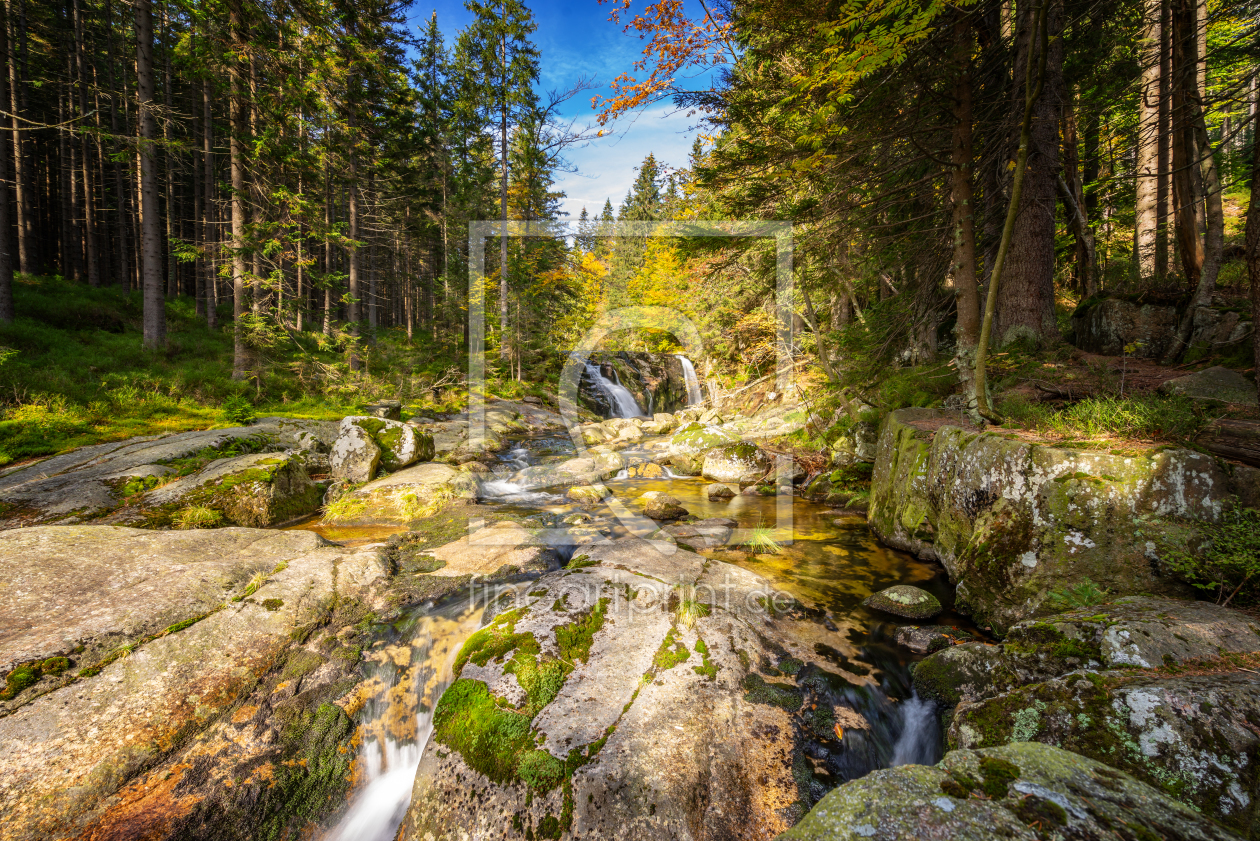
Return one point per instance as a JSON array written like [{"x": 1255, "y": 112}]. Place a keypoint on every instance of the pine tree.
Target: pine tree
[{"x": 585, "y": 239}]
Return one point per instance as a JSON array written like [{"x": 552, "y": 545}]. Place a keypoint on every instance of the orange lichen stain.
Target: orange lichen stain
[
  {"x": 146, "y": 809},
  {"x": 244, "y": 714}
]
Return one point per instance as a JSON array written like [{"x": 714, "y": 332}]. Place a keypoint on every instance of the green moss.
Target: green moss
[
  {"x": 540, "y": 770},
  {"x": 1040, "y": 812},
  {"x": 759, "y": 691},
  {"x": 272, "y": 604},
  {"x": 493, "y": 641},
  {"x": 580, "y": 561},
  {"x": 998, "y": 775},
  {"x": 575, "y": 638},
  {"x": 707, "y": 668},
  {"x": 671, "y": 653},
  {"x": 790, "y": 665},
  {"x": 22, "y": 677},
  {"x": 490, "y": 739}
]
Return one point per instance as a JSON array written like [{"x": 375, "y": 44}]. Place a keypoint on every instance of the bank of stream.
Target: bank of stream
[{"x": 828, "y": 560}]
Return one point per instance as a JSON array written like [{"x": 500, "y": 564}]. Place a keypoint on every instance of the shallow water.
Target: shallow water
[{"x": 828, "y": 560}]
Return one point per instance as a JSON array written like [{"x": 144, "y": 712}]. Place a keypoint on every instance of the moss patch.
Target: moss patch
[{"x": 759, "y": 691}]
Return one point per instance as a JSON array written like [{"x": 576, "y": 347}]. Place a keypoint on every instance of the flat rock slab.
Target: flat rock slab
[
  {"x": 64, "y": 754},
  {"x": 1034, "y": 787},
  {"x": 1215, "y": 383},
  {"x": 655, "y": 559},
  {"x": 488, "y": 550},
  {"x": 73, "y": 585}
]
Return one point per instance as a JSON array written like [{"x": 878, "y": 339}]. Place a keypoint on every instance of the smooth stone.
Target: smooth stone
[{"x": 906, "y": 601}]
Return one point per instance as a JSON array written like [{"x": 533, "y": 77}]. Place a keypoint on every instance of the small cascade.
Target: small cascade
[
  {"x": 694, "y": 395},
  {"x": 398, "y": 722},
  {"x": 919, "y": 741},
  {"x": 619, "y": 397}
]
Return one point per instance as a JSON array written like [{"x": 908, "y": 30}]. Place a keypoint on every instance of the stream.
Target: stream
[{"x": 829, "y": 560}]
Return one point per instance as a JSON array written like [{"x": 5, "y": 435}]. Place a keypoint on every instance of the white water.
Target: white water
[
  {"x": 918, "y": 740},
  {"x": 619, "y": 397},
  {"x": 399, "y": 725},
  {"x": 694, "y": 395}
]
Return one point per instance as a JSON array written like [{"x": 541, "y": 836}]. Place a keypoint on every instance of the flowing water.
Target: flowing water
[
  {"x": 694, "y": 395},
  {"x": 409, "y": 676},
  {"x": 829, "y": 560},
  {"x": 619, "y": 397}
]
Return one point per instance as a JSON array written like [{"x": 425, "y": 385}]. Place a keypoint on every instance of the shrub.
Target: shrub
[
  {"x": 237, "y": 409},
  {"x": 1223, "y": 557},
  {"x": 196, "y": 517}
]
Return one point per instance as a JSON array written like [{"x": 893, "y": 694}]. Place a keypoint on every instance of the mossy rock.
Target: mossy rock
[
  {"x": 905, "y": 601},
  {"x": 742, "y": 464},
  {"x": 688, "y": 445}
]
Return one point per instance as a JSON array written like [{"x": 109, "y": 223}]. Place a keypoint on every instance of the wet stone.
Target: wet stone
[{"x": 905, "y": 601}]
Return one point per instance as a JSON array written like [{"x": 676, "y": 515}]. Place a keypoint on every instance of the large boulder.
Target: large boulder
[
  {"x": 403, "y": 496},
  {"x": 1219, "y": 384},
  {"x": 355, "y": 455},
  {"x": 400, "y": 444},
  {"x": 1013, "y": 520},
  {"x": 740, "y": 464},
  {"x": 1109, "y": 325},
  {"x": 169, "y": 649},
  {"x": 689, "y": 444},
  {"x": 1132, "y": 632},
  {"x": 590, "y": 706},
  {"x": 1191, "y": 737},
  {"x": 88, "y": 483},
  {"x": 259, "y": 490},
  {"x": 906, "y": 601},
  {"x": 1019, "y": 791}
]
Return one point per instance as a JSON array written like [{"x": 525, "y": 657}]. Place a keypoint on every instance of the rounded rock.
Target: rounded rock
[{"x": 905, "y": 601}]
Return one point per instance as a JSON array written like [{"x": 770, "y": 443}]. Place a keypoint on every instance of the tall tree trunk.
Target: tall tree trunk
[
  {"x": 1146, "y": 207},
  {"x": 89, "y": 209},
  {"x": 241, "y": 362},
  {"x": 168, "y": 158},
  {"x": 1163, "y": 191},
  {"x": 21, "y": 165},
  {"x": 353, "y": 310},
  {"x": 966, "y": 291},
  {"x": 1038, "y": 53},
  {"x": 1073, "y": 194},
  {"x": 1253, "y": 243},
  {"x": 120, "y": 185},
  {"x": 209, "y": 231},
  {"x": 1185, "y": 161},
  {"x": 504, "y": 347},
  {"x": 1026, "y": 302},
  {"x": 6, "y": 258},
  {"x": 154, "y": 303}
]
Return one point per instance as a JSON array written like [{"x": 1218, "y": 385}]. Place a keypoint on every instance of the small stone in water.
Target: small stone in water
[{"x": 905, "y": 601}]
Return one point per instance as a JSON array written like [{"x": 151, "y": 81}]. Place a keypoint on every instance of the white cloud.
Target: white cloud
[{"x": 606, "y": 168}]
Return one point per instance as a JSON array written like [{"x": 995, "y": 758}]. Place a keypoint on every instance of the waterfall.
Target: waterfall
[
  {"x": 694, "y": 395},
  {"x": 395, "y": 732},
  {"x": 919, "y": 741},
  {"x": 619, "y": 397}
]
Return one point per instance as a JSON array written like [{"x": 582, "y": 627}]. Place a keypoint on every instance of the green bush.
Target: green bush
[{"x": 1221, "y": 558}]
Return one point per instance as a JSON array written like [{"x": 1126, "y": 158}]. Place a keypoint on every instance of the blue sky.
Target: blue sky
[{"x": 576, "y": 38}]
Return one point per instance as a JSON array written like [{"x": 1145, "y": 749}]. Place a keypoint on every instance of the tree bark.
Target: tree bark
[
  {"x": 1026, "y": 298},
  {"x": 1163, "y": 190},
  {"x": 1072, "y": 192},
  {"x": 1253, "y": 245},
  {"x": 210, "y": 231},
  {"x": 1146, "y": 207},
  {"x": 6, "y": 258},
  {"x": 241, "y": 362},
  {"x": 1186, "y": 164},
  {"x": 21, "y": 165},
  {"x": 154, "y": 302},
  {"x": 504, "y": 345},
  {"x": 353, "y": 309},
  {"x": 966, "y": 291}
]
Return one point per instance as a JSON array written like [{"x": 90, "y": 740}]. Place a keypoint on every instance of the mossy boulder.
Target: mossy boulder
[
  {"x": 740, "y": 464},
  {"x": 1219, "y": 384},
  {"x": 256, "y": 491},
  {"x": 662, "y": 506},
  {"x": 406, "y": 495},
  {"x": 906, "y": 601},
  {"x": 720, "y": 491},
  {"x": 689, "y": 444},
  {"x": 1132, "y": 632},
  {"x": 587, "y": 495},
  {"x": 1019, "y": 791},
  {"x": 1192, "y": 737},
  {"x": 1013, "y": 520},
  {"x": 400, "y": 444},
  {"x": 355, "y": 455}
]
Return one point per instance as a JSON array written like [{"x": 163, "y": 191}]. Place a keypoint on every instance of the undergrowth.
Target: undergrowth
[{"x": 1153, "y": 417}]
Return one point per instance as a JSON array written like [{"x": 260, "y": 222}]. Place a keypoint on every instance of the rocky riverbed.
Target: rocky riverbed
[{"x": 640, "y": 626}]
